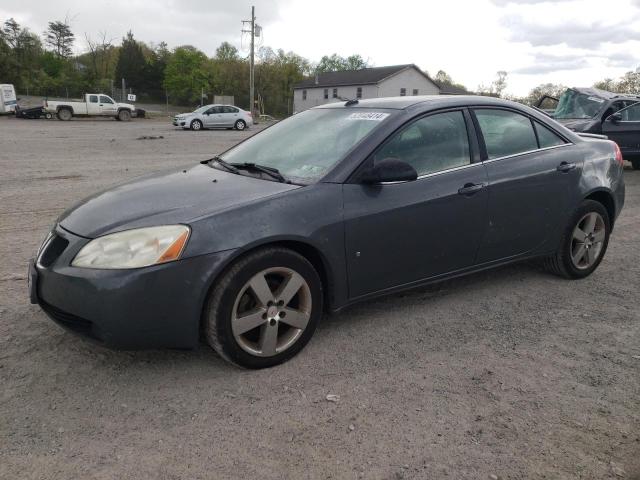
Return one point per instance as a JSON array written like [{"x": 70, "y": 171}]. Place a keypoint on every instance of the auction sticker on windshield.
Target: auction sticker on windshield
[{"x": 375, "y": 116}]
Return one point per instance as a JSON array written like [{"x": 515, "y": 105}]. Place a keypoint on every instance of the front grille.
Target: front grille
[
  {"x": 52, "y": 250},
  {"x": 69, "y": 320}
]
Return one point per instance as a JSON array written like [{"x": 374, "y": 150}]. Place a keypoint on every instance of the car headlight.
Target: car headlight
[{"x": 135, "y": 248}]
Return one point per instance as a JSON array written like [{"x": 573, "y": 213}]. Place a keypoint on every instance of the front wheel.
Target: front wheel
[
  {"x": 240, "y": 125},
  {"x": 124, "y": 115},
  {"x": 264, "y": 309},
  {"x": 584, "y": 242},
  {"x": 196, "y": 125}
]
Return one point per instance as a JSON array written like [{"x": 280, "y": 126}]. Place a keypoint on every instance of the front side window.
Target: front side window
[
  {"x": 305, "y": 146},
  {"x": 105, "y": 99},
  {"x": 506, "y": 133},
  {"x": 403, "y": 92},
  {"x": 432, "y": 144},
  {"x": 335, "y": 93},
  {"x": 359, "y": 92},
  {"x": 93, "y": 98},
  {"x": 631, "y": 114},
  {"x": 304, "y": 94},
  {"x": 213, "y": 111},
  {"x": 547, "y": 138}
]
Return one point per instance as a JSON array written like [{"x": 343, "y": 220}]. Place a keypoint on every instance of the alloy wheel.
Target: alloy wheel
[
  {"x": 271, "y": 311},
  {"x": 587, "y": 241}
]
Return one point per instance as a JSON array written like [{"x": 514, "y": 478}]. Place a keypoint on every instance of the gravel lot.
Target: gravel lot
[{"x": 507, "y": 374}]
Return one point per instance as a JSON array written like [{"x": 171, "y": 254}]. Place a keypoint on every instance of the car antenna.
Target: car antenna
[{"x": 349, "y": 101}]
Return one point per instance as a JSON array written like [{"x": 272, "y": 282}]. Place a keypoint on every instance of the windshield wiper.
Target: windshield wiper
[
  {"x": 226, "y": 165},
  {"x": 272, "y": 172}
]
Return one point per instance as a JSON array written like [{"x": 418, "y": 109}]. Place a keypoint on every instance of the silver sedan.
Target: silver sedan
[{"x": 214, "y": 116}]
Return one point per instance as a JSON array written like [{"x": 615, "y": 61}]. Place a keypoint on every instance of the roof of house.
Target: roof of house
[{"x": 364, "y": 76}]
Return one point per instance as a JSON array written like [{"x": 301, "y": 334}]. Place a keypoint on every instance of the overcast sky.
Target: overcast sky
[{"x": 574, "y": 42}]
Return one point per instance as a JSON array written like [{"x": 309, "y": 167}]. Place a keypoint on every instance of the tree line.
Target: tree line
[{"x": 45, "y": 65}]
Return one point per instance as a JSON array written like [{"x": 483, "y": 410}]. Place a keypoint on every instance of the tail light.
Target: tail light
[{"x": 618, "y": 154}]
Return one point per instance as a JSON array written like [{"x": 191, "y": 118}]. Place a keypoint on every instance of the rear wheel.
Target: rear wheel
[
  {"x": 124, "y": 115},
  {"x": 48, "y": 116},
  {"x": 64, "y": 114},
  {"x": 584, "y": 242},
  {"x": 264, "y": 309},
  {"x": 240, "y": 125},
  {"x": 196, "y": 125}
]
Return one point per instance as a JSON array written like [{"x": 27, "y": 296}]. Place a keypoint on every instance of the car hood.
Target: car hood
[{"x": 166, "y": 198}]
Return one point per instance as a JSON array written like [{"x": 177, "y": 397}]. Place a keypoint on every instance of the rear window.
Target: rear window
[
  {"x": 548, "y": 138},
  {"x": 506, "y": 133}
]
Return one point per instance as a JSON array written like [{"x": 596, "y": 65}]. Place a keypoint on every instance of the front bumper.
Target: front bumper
[{"x": 152, "y": 307}]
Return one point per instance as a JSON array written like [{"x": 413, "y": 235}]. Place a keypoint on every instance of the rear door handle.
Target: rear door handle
[
  {"x": 470, "y": 188},
  {"x": 565, "y": 167}
]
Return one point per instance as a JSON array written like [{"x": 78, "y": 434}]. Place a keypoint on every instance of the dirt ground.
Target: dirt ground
[{"x": 510, "y": 374}]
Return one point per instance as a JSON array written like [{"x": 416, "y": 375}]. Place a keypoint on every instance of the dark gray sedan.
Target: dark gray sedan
[{"x": 332, "y": 206}]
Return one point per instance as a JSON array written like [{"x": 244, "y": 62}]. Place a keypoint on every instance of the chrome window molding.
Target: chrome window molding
[
  {"x": 528, "y": 152},
  {"x": 461, "y": 167}
]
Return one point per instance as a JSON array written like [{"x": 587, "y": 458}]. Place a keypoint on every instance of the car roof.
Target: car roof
[
  {"x": 596, "y": 92},
  {"x": 427, "y": 101}
]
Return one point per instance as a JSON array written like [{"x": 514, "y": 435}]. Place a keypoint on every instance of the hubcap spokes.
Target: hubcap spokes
[
  {"x": 588, "y": 240},
  {"x": 271, "y": 311}
]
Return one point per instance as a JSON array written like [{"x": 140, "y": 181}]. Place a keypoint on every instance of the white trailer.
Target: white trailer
[{"x": 8, "y": 100}]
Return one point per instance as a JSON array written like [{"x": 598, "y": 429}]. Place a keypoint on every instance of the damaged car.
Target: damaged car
[{"x": 595, "y": 111}]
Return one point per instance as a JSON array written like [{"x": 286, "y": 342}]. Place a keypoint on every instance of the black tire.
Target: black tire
[
  {"x": 196, "y": 125},
  {"x": 124, "y": 115},
  {"x": 561, "y": 263},
  {"x": 48, "y": 116},
  {"x": 220, "y": 304},
  {"x": 635, "y": 163},
  {"x": 65, "y": 114},
  {"x": 240, "y": 125}
]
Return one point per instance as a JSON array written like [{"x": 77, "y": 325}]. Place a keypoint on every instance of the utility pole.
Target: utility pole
[{"x": 252, "y": 32}]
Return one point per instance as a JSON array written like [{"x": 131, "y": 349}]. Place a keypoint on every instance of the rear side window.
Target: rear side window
[
  {"x": 546, "y": 137},
  {"x": 506, "y": 133},
  {"x": 431, "y": 144},
  {"x": 93, "y": 98},
  {"x": 228, "y": 109}
]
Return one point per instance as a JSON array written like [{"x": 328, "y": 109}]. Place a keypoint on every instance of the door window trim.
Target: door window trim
[
  {"x": 483, "y": 148},
  {"x": 474, "y": 147}
]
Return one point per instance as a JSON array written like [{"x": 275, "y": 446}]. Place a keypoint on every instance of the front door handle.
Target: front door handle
[
  {"x": 565, "y": 167},
  {"x": 470, "y": 188}
]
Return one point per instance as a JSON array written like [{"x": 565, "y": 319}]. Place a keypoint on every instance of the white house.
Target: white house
[{"x": 393, "y": 81}]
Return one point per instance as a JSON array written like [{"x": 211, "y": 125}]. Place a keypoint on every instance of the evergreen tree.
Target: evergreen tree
[
  {"x": 60, "y": 38},
  {"x": 131, "y": 63}
]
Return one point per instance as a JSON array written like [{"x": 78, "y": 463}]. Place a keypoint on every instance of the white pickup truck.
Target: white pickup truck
[{"x": 93, "y": 105}]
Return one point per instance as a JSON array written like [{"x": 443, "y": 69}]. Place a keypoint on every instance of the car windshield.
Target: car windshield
[
  {"x": 305, "y": 146},
  {"x": 573, "y": 104},
  {"x": 202, "y": 109}
]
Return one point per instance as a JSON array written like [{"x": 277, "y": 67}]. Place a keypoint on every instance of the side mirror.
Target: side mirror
[
  {"x": 615, "y": 118},
  {"x": 389, "y": 170}
]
